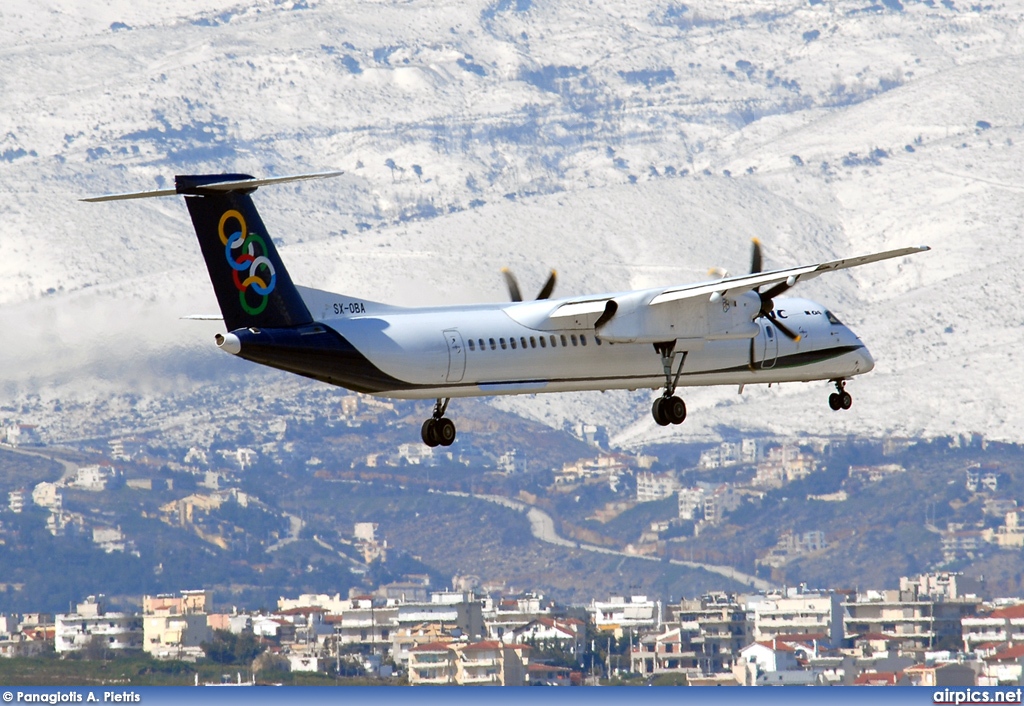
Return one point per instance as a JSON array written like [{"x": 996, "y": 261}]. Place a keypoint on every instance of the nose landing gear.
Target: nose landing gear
[
  {"x": 669, "y": 409},
  {"x": 840, "y": 399},
  {"x": 438, "y": 430}
]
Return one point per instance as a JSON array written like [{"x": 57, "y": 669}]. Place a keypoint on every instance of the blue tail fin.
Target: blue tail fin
[{"x": 250, "y": 281}]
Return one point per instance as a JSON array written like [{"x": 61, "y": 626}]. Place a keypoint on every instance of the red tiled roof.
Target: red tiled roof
[
  {"x": 778, "y": 646},
  {"x": 1010, "y": 654},
  {"x": 990, "y": 645},
  {"x": 1010, "y": 612},
  {"x": 547, "y": 668},
  {"x": 876, "y": 678},
  {"x": 920, "y": 668},
  {"x": 303, "y": 610},
  {"x": 485, "y": 645}
]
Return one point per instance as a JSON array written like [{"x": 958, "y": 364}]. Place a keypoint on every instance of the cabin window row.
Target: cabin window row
[{"x": 524, "y": 342}]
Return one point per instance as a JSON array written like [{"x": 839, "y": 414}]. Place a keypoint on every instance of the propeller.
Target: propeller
[
  {"x": 513, "y": 285},
  {"x": 767, "y": 309}
]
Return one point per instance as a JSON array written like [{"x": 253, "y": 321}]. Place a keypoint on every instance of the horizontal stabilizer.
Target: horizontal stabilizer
[
  {"x": 203, "y": 317},
  {"x": 229, "y": 184}
]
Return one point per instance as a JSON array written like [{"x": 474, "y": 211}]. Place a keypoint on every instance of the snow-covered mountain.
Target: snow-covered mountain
[{"x": 625, "y": 144}]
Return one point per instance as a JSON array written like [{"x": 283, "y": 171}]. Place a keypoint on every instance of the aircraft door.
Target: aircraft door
[
  {"x": 769, "y": 345},
  {"x": 456, "y": 355}
]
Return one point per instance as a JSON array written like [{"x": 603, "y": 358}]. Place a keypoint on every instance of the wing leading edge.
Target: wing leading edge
[{"x": 731, "y": 286}]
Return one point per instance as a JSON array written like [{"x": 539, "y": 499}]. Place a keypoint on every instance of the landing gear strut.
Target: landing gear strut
[
  {"x": 438, "y": 430},
  {"x": 669, "y": 409},
  {"x": 840, "y": 399}
]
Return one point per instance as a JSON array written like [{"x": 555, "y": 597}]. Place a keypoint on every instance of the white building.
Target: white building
[
  {"x": 654, "y": 486},
  {"x": 797, "y": 613},
  {"x": 175, "y": 626},
  {"x": 22, "y": 434},
  {"x": 691, "y": 503},
  {"x": 47, "y": 495},
  {"x": 109, "y": 539},
  {"x": 92, "y": 478},
  {"x": 16, "y": 500},
  {"x": 619, "y": 615},
  {"x": 92, "y": 623}
]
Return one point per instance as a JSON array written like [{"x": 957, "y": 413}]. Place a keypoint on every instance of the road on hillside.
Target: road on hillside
[
  {"x": 542, "y": 526},
  {"x": 70, "y": 468}
]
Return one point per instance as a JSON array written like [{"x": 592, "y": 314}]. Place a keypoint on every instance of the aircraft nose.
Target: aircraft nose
[{"x": 865, "y": 362}]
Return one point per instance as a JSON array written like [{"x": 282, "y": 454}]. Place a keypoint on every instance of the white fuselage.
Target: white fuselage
[{"x": 483, "y": 350}]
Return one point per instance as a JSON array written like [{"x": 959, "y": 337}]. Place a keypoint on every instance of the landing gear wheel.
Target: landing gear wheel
[
  {"x": 445, "y": 431},
  {"x": 428, "y": 432},
  {"x": 668, "y": 410},
  {"x": 835, "y": 401},
  {"x": 845, "y": 400},
  {"x": 674, "y": 410},
  {"x": 658, "y": 410}
]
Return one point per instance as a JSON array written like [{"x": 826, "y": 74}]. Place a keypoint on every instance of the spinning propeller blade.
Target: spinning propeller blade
[
  {"x": 549, "y": 286},
  {"x": 513, "y": 286},
  {"x": 767, "y": 310},
  {"x": 516, "y": 295}
]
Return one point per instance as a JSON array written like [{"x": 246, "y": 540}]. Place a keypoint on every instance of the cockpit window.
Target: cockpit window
[{"x": 832, "y": 319}]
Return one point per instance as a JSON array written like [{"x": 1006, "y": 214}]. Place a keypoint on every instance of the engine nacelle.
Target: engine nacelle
[{"x": 631, "y": 319}]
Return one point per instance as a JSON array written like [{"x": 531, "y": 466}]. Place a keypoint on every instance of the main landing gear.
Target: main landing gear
[
  {"x": 840, "y": 399},
  {"x": 669, "y": 409},
  {"x": 438, "y": 430}
]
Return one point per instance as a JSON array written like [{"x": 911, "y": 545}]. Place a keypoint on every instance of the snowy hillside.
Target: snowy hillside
[{"x": 625, "y": 144}]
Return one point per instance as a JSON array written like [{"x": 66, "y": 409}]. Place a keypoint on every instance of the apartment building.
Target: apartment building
[
  {"x": 486, "y": 663},
  {"x": 175, "y": 625},
  {"x": 617, "y": 615},
  {"x": 918, "y": 621},
  {"x": 720, "y": 628},
  {"x": 998, "y": 625},
  {"x": 92, "y": 624},
  {"x": 797, "y": 612}
]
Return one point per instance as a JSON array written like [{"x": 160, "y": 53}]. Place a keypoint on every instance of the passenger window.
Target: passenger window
[
  {"x": 502, "y": 342},
  {"x": 583, "y": 340},
  {"x": 481, "y": 344},
  {"x": 494, "y": 346},
  {"x": 522, "y": 340},
  {"x": 554, "y": 341},
  {"x": 565, "y": 343},
  {"x": 512, "y": 342},
  {"x": 472, "y": 346},
  {"x": 543, "y": 343},
  {"x": 533, "y": 342},
  {"x": 573, "y": 339},
  {"x": 597, "y": 339}
]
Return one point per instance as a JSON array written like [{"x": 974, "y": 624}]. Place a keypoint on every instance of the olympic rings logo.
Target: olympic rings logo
[{"x": 247, "y": 256}]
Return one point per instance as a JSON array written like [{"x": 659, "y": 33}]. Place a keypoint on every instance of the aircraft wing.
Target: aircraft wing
[
  {"x": 681, "y": 312},
  {"x": 791, "y": 275}
]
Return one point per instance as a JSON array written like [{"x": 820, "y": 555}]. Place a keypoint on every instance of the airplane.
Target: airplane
[{"x": 734, "y": 330}]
